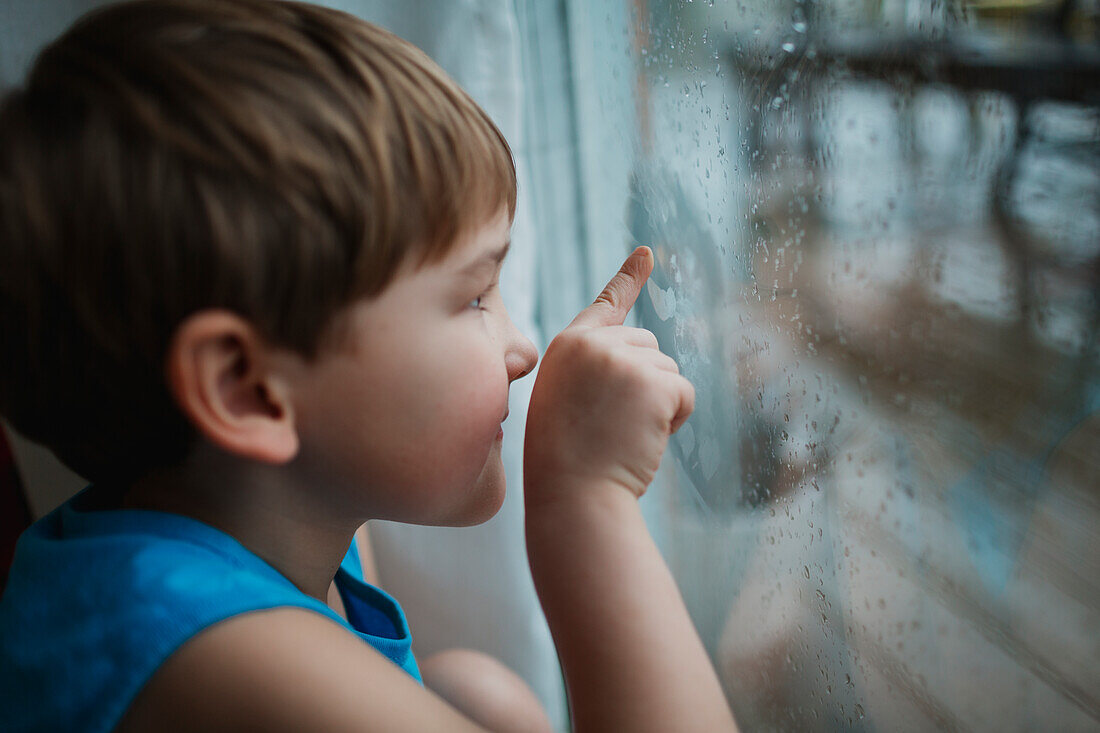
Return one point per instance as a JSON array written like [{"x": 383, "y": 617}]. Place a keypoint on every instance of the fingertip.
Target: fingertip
[
  {"x": 643, "y": 256},
  {"x": 619, "y": 295}
]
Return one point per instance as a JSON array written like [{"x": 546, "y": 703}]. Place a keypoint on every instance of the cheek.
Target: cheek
[
  {"x": 462, "y": 383},
  {"x": 457, "y": 408},
  {"x": 469, "y": 411},
  {"x": 414, "y": 428}
]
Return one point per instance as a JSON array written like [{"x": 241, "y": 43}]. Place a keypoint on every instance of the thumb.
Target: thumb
[{"x": 618, "y": 296}]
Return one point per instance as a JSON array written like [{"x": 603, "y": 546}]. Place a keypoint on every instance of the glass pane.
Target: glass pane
[{"x": 877, "y": 227}]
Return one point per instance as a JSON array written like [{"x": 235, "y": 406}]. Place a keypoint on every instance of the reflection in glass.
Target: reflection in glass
[{"x": 877, "y": 228}]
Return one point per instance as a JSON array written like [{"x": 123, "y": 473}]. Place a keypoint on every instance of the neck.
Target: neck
[{"x": 260, "y": 506}]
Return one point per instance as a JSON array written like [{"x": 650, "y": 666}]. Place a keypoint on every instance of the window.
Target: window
[{"x": 877, "y": 228}]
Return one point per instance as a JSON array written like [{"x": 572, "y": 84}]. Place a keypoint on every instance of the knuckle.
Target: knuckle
[
  {"x": 689, "y": 391},
  {"x": 603, "y": 358},
  {"x": 612, "y": 293},
  {"x": 620, "y": 285},
  {"x": 605, "y": 299},
  {"x": 568, "y": 342},
  {"x": 647, "y": 336},
  {"x": 618, "y": 365},
  {"x": 625, "y": 275},
  {"x": 587, "y": 347}
]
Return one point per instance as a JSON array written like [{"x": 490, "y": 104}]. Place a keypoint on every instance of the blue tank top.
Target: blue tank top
[{"x": 97, "y": 600}]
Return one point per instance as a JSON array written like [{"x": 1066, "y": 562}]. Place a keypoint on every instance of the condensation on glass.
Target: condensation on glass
[{"x": 877, "y": 227}]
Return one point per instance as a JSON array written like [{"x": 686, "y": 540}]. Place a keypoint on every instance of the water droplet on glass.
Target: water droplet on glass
[
  {"x": 798, "y": 20},
  {"x": 788, "y": 46}
]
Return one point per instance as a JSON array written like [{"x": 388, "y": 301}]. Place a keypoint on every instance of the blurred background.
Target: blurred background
[{"x": 877, "y": 227}]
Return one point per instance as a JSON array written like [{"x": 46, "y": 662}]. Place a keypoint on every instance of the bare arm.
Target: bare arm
[
  {"x": 475, "y": 684},
  {"x": 289, "y": 669},
  {"x": 603, "y": 407},
  {"x": 286, "y": 669}
]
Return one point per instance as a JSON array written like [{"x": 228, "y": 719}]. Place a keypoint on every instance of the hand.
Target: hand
[{"x": 606, "y": 399}]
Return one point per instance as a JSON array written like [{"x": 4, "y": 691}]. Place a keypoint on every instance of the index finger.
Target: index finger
[{"x": 618, "y": 296}]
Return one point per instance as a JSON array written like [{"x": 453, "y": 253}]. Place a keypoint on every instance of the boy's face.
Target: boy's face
[{"x": 404, "y": 422}]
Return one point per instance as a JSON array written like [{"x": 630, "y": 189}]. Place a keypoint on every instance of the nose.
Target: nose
[{"x": 521, "y": 355}]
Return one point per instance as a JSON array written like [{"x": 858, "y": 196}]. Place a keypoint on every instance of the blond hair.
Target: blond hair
[{"x": 277, "y": 159}]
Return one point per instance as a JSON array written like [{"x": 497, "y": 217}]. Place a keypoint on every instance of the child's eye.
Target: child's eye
[{"x": 478, "y": 303}]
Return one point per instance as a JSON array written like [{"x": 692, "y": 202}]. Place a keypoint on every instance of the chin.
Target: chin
[
  {"x": 486, "y": 494},
  {"x": 486, "y": 502},
  {"x": 481, "y": 500},
  {"x": 475, "y": 503}
]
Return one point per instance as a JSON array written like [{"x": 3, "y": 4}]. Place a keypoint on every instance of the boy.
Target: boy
[{"x": 248, "y": 289}]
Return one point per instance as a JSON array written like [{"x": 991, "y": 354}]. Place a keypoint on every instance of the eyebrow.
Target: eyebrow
[{"x": 493, "y": 257}]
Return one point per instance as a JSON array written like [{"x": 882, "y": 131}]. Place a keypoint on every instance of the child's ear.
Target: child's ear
[{"x": 219, "y": 372}]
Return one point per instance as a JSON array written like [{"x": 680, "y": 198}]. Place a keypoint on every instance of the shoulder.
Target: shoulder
[{"x": 284, "y": 669}]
